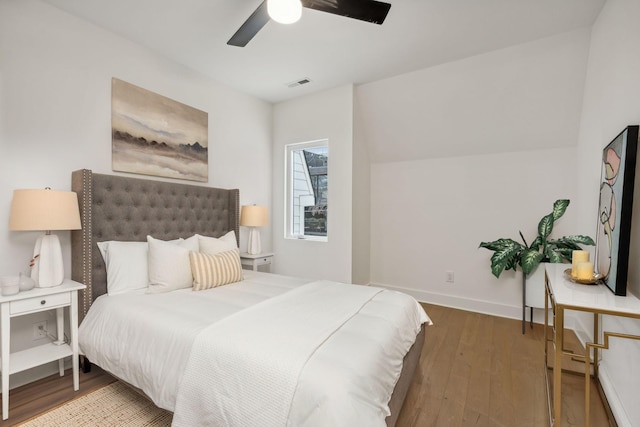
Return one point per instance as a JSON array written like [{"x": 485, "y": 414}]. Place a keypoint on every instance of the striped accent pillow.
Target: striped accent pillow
[{"x": 211, "y": 270}]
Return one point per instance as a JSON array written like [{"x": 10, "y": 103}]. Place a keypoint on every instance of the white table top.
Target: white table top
[
  {"x": 255, "y": 256},
  {"x": 66, "y": 286},
  {"x": 589, "y": 297}
]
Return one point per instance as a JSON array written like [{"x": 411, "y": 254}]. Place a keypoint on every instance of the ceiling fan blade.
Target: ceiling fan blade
[
  {"x": 251, "y": 26},
  {"x": 364, "y": 10}
]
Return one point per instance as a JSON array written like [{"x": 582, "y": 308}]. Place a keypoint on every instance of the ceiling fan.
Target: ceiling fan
[{"x": 365, "y": 10}]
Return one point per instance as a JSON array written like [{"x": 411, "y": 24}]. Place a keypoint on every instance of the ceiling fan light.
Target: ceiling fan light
[{"x": 284, "y": 11}]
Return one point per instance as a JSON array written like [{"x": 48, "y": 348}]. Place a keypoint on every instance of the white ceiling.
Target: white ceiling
[{"x": 328, "y": 49}]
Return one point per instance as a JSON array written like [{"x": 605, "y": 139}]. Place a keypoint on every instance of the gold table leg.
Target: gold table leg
[
  {"x": 557, "y": 367},
  {"x": 587, "y": 374}
]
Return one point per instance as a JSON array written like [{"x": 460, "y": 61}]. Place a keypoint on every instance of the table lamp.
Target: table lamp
[
  {"x": 45, "y": 210},
  {"x": 253, "y": 217}
]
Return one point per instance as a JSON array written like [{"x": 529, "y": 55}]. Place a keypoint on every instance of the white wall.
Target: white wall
[
  {"x": 431, "y": 208},
  {"x": 612, "y": 102},
  {"x": 361, "y": 197},
  {"x": 429, "y": 216},
  {"x": 55, "y": 112},
  {"x": 325, "y": 115}
]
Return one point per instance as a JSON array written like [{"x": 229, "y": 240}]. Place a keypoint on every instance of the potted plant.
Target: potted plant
[{"x": 508, "y": 253}]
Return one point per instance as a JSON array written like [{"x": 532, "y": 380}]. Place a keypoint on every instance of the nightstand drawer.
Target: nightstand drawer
[
  {"x": 40, "y": 303},
  {"x": 264, "y": 260},
  {"x": 254, "y": 261}
]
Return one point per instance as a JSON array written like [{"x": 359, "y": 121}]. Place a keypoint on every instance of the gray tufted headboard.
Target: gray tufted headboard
[{"x": 128, "y": 209}]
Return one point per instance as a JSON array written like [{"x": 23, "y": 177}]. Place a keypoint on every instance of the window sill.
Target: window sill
[{"x": 308, "y": 238}]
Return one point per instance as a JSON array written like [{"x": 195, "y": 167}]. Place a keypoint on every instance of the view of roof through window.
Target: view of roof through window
[{"x": 315, "y": 216}]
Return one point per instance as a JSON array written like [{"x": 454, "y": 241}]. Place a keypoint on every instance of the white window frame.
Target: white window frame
[{"x": 288, "y": 189}]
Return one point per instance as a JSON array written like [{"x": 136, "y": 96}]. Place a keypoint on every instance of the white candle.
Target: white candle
[
  {"x": 584, "y": 270},
  {"x": 576, "y": 257}
]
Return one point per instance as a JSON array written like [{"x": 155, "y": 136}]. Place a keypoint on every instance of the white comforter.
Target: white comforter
[{"x": 147, "y": 339}]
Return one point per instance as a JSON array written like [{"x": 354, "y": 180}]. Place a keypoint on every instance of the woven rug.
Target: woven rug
[{"x": 113, "y": 405}]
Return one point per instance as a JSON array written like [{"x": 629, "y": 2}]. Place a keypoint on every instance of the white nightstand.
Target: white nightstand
[
  {"x": 254, "y": 261},
  {"x": 33, "y": 301}
]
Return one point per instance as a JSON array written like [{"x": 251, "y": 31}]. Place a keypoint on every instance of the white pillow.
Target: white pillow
[
  {"x": 191, "y": 243},
  {"x": 169, "y": 267},
  {"x": 126, "y": 265},
  {"x": 212, "y": 245}
]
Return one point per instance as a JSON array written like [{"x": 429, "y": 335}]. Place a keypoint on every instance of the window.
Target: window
[{"x": 307, "y": 190}]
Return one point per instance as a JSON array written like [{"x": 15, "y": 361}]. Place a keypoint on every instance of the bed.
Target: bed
[{"x": 184, "y": 324}]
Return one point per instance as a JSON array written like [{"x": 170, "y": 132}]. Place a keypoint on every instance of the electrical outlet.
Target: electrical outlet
[
  {"x": 40, "y": 330},
  {"x": 449, "y": 277}
]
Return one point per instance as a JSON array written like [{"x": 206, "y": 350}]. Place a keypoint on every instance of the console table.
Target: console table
[{"x": 563, "y": 295}]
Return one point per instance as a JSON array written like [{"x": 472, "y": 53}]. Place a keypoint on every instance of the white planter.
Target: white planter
[{"x": 534, "y": 296}]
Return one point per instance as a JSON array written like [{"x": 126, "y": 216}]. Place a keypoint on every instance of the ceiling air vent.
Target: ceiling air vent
[{"x": 299, "y": 82}]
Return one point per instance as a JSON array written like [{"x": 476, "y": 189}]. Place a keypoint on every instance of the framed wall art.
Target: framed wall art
[
  {"x": 615, "y": 209},
  {"x": 154, "y": 135}
]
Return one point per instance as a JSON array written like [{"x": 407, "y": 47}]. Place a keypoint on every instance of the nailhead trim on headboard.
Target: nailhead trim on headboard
[{"x": 81, "y": 183}]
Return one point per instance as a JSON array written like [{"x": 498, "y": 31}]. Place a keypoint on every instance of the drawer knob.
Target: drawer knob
[{"x": 43, "y": 302}]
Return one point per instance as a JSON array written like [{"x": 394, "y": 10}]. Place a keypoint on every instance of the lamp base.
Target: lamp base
[
  {"x": 48, "y": 270},
  {"x": 253, "y": 245}
]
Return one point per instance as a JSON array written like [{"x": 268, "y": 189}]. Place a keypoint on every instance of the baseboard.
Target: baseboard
[
  {"x": 478, "y": 306},
  {"x": 622, "y": 420},
  {"x": 451, "y": 301},
  {"x": 584, "y": 334}
]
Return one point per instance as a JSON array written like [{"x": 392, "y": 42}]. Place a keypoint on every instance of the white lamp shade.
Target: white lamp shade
[
  {"x": 44, "y": 210},
  {"x": 254, "y": 216},
  {"x": 284, "y": 11}
]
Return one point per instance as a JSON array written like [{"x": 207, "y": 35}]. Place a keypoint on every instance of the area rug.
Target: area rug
[{"x": 113, "y": 405}]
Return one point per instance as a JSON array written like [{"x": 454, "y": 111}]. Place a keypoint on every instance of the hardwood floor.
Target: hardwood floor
[
  {"x": 479, "y": 370},
  {"x": 40, "y": 396},
  {"x": 475, "y": 370}
]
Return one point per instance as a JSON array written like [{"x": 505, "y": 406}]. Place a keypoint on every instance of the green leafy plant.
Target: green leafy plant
[{"x": 508, "y": 253}]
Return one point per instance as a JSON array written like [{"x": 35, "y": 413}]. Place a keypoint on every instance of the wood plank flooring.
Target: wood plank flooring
[
  {"x": 479, "y": 370},
  {"x": 475, "y": 370},
  {"x": 40, "y": 396}
]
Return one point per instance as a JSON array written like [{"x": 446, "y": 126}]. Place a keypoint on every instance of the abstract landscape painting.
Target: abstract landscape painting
[{"x": 154, "y": 135}]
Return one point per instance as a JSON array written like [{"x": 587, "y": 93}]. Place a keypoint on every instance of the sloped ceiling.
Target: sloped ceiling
[
  {"x": 328, "y": 49},
  {"x": 520, "y": 98}
]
